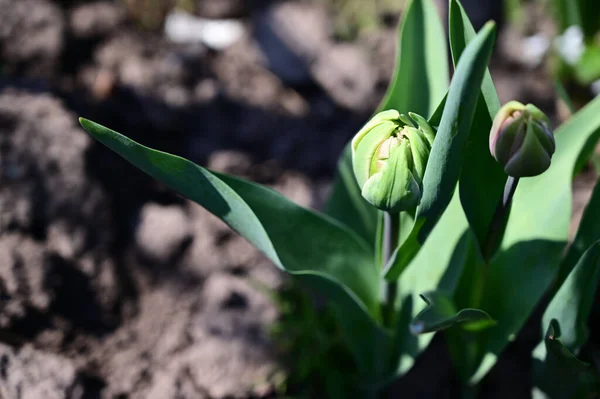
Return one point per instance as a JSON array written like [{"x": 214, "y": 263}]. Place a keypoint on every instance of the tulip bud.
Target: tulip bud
[
  {"x": 389, "y": 156},
  {"x": 521, "y": 140}
]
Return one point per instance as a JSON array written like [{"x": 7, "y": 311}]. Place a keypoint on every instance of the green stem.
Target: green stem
[
  {"x": 500, "y": 218},
  {"x": 391, "y": 233}
]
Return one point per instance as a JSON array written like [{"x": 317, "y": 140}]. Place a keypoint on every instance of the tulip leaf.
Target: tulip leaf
[
  {"x": 441, "y": 314},
  {"x": 297, "y": 240},
  {"x": 447, "y": 153},
  {"x": 468, "y": 293},
  {"x": 563, "y": 95},
  {"x": 572, "y": 303},
  {"x": 421, "y": 73},
  {"x": 461, "y": 32},
  {"x": 357, "y": 328},
  {"x": 434, "y": 268},
  {"x": 436, "y": 117},
  {"x": 520, "y": 275},
  {"x": 562, "y": 375},
  {"x": 346, "y": 203},
  {"x": 587, "y": 233},
  {"x": 482, "y": 178},
  {"x": 420, "y": 81}
]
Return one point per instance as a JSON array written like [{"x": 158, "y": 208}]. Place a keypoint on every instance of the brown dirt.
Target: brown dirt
[{"x": 111, "y": 286}]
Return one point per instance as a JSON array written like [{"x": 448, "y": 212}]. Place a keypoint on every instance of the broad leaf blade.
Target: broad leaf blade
[
  {"x": 587, "y": 233},
  {"x": 434, "y": 268},
  {"x": 562, "y": 375},
  {"x": 563, "y": 95},
  {"x": 297, "y": 240},
  {"x": 572, "y": 303},
  {"x": 447, "y": 154},
  {"x": 357, "y": 328},
  {"x": 515, "y": 281},
  {"x": 421, "y": 74},
  {"x": 346, "y": 203},
  {"x": 441, "y": 313}
]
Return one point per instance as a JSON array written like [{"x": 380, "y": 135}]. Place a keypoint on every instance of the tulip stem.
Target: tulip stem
[
  {"x": 391, "y": 233},
  {"x": 500, "y": 218}
]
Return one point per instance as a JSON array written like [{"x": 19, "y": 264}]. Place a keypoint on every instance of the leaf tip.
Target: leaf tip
[
  {"x": 86, "y": 123},
  {"x": 490, "y": 26}
]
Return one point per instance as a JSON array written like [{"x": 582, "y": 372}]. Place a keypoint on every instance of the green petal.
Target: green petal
[
  {"x": 531, "y": 159},
  {"x": 365, "y": 150},
  {"x": 394, "y": 189}
]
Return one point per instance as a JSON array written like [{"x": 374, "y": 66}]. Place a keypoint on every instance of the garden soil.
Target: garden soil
[{"x": 111, "y": 285}]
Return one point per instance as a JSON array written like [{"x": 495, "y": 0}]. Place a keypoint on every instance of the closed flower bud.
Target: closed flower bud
[
  {"x": 389, "y": 156},
  {"x": 521, "y": 140}
]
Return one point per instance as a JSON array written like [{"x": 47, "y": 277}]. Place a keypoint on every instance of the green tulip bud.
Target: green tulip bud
[
  {"x": 389, "y": 156},
  {"x": 521, "y": 140}
]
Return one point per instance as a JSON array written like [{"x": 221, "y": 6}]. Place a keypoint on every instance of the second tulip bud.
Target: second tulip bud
[{"x": 521, "y": 140}]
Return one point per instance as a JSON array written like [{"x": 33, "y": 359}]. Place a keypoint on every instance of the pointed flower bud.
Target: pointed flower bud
[
  {"x": 521, "y": 140},
  {"x": 389, "y": 156}
]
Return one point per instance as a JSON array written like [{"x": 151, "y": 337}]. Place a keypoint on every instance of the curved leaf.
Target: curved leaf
[
  {"x": 572, "y": 303},
  {"x": 441, "y": 314},
  {"x": 461, "y": 32},
  {"x": 482, "y": 178},
  {"x": 519, "y": 276},
  {"x": 562, "y": 375},
  {"x": 358, "y": 328},
  {"x": 346, "y": 203},
  {"x": 421, "y": 73},
  {"x": 297, "y": 240},
  {"x": 587, "y": 233},
  {"x": 433, "y": 268},
  {"x": 447, "y": 154}
]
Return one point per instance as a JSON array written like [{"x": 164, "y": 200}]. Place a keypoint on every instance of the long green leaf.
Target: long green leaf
[
  {"x": 461, "y": 33},
  {"x": 447, "y": 154},
  {"x": 464, "y": 345},
  {"x": 562, "y": 375},
  {"x": 515, "y": 281},
  {"x": 482, "y": 178},
  {"x": 357, "y": 328},
  {"x": 434, "y": 268},
  {"x": 587, "y": 233},
  {"x": 572, "y": 303},
  {"x": 421, "y": 74},
  {"x": 297, "y": 240},
  {"x": 346, "y": 203}
]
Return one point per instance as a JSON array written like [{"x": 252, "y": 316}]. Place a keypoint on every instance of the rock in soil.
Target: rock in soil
[
  {"x": 27, "y": 373},
  {"x": 31, "y": 37}
]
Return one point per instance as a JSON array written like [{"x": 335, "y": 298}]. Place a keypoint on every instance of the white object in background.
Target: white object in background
[
  {"x": 570, "y": 44},
  {"x": 534, "y": 48},
  {"x": 595, "y": 87},
  {"x": 218, "y": 34}
]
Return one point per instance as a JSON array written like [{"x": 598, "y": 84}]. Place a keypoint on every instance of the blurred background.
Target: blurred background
[{"x": 112, "y": 286}]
